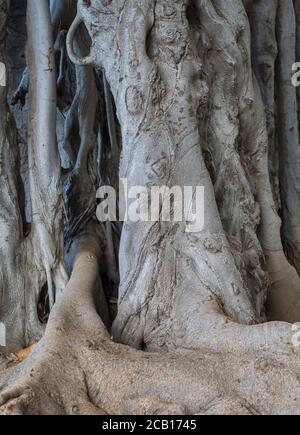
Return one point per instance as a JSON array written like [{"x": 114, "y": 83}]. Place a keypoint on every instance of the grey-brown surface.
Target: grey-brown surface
[{"x": 162, "y": 93}]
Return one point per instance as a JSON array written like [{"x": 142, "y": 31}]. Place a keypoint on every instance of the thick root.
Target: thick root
[{"x": 77, "y": 369}]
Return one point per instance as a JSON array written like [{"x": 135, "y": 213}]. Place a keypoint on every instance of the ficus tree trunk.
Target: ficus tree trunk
[{"x": 163, "y": 93}]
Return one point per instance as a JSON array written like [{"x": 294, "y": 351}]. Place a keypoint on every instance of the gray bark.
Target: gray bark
[
  {"x": 32, "y": 259},
  {"x": 288, "y": 131}
]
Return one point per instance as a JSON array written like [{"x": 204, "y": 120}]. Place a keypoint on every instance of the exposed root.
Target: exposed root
[{"x": 77, "y": 369}]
